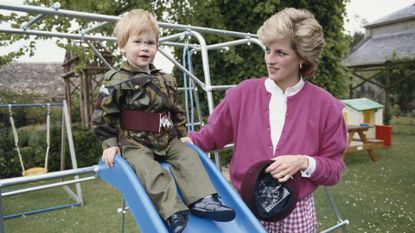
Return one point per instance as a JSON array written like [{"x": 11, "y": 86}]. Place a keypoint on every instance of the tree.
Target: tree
[
  {"x": 356, "y": 38},
  {"x": 245, "y": 15},
  {"x": 240, "y": 63},
  {"x": 9, "y": 39}
]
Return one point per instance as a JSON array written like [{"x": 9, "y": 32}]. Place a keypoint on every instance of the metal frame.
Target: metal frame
[
  {"x": 75, "y": 195},
  {"x": 185, "y": 31},
  {"x": 47, "y": 176}
]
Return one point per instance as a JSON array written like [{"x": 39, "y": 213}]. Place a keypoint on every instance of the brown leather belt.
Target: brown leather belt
[{"x": 145, "y": 121}]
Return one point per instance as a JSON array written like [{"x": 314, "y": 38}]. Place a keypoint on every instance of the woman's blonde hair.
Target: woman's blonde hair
[
  {"x": 134, "y": 23},
  {"x": 302, "y": 29}
]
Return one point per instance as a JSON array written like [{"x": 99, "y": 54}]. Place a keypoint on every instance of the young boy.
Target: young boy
[{"x": 137, "y": 115}]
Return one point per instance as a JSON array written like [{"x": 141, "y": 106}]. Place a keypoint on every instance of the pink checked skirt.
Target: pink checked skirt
[{"x": 301, "y": 220}]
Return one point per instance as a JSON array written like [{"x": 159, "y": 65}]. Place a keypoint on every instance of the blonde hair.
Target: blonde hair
[
  {"x": 134, "y": 23},
  {"x": 302, "y": 29}
]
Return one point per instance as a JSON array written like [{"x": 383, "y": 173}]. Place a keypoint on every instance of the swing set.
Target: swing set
[
  {"x": 34, "y": 170},
  {"x": 66, "y": 136},
  {"x": 191, "y": 82}
]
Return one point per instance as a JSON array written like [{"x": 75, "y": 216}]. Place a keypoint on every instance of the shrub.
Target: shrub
[
  {"x": 88, "y": 149},
  {"x": 32, "y": 144},
  {"x": 9, "y": 162}
]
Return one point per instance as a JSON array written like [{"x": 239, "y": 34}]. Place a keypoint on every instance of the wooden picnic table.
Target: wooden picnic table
[{"x": 365, "y": 143}]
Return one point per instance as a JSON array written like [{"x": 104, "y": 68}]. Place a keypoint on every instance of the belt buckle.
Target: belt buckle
[{"x": 165, "y": 122}]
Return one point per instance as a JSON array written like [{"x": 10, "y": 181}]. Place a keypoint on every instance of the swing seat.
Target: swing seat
[{"x": 34, "y": 171}]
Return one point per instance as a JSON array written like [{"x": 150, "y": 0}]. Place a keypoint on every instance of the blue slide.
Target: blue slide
[{"x": 123, "y": 178}]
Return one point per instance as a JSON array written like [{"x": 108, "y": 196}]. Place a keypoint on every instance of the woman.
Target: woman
[{"x": 283, "y": 117}]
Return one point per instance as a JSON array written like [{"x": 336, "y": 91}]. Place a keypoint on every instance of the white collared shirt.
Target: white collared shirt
[{"x": 277, "y": 111}]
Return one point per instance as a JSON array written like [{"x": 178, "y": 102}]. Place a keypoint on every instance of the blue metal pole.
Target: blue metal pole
[
  {"x": 31, "y": 105},
  {"x": 42, "y": 210}
]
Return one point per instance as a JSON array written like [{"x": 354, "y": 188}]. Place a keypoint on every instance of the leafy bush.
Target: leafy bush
[
  {"x": 32, "y": 144},
  {"x": 403, "y": 125},
  {"x": 26, "y": 115},
  {"x": 31, "y": 126},
  {"x": 8, "y": 157},
  {"x": 88, "y": 149}
]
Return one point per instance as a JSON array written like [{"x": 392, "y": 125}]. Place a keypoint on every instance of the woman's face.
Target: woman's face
[{"x": 283, "y": 63}]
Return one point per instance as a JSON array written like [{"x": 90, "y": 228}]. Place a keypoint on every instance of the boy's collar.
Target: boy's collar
[{"x": 128, "y": 67}]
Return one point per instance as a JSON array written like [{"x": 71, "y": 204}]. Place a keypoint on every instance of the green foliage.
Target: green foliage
[
  {"x": 355, "y": 38},
  {"x": 30, "y": 123},
  {"x": 403, "y": 125},
  {"x": 226, "y": 67},
  {"x": 32, "y": 144},
  {"x": 31, "y": 127},
  {"x": 66, "y": 25},
  {"x": 403, "y": 86},
  {"x": 14, "y": 20},
  {"x": 87, "y": 148},
  {"x": 5, "y": 59},
  {"x": 8, "y": 162},
  {"x": 231, "y": 67},
  {"x": 23, "y": 116},
  {"x": 243, "y": 62}
]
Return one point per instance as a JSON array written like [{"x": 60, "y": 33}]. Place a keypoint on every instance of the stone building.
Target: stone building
[{"x": 389, "y": 43}]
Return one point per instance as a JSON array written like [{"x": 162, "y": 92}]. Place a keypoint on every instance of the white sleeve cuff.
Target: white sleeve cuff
[{"x": 311, "y": 167}]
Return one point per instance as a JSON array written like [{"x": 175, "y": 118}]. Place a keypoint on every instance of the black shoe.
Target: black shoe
[
  {"x": 177, "y": 221},
  {"x": 212, "y": 208}
]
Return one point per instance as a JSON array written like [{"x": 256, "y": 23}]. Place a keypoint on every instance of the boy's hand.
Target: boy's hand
[
  {"x": 186, "y": 140},
  {"x": 109, "y": 154}
]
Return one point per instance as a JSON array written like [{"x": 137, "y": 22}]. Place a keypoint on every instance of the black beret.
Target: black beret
[{"x": 267, "y": 198}]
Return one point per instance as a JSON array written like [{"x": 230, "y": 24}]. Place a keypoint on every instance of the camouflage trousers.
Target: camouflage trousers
[{"x": 186, "y": 168}]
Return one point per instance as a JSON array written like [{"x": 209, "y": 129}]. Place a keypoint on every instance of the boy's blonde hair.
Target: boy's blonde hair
[
  {"x": 134, "y": 23},
  {"x": 302, "y": 29}
]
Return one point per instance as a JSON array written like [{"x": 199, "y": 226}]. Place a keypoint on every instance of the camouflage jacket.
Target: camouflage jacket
[{"x": 133, "y": 89}]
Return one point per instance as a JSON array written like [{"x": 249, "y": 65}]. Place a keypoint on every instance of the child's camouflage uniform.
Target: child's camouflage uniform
[{"x": 128, "y": 88}]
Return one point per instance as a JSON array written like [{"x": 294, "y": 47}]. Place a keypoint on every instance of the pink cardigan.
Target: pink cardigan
[{"x": 313, "y": 126}]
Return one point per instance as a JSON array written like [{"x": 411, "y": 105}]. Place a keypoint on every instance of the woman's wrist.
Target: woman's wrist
[{"x": 304, "y": 162}]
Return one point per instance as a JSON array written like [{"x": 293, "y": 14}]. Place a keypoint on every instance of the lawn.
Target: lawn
[
  {"x": 376, "y": 196},
  {"x": 373, "y": 196}
]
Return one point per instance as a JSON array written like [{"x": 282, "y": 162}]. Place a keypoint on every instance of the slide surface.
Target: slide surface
[{"x": 123, "y": 178}]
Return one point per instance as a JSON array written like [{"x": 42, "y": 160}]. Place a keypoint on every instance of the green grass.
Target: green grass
[
  {"x": 376, "y": 196},
  {"x": 403, "y": 125},
  {"x": 373, "y": 196},
  {"x": 99, "y": 215}
]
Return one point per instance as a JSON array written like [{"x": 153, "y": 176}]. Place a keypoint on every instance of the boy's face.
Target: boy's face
[{"x": 140, "y": 50}]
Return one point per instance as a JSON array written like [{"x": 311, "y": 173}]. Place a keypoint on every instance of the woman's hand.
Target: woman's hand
[
  {"x": 109, "y": 154},
  {"x": 186, "y": 140},
  {"x": 285, "y": 166}
]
